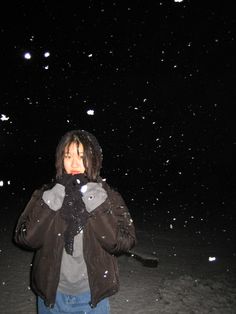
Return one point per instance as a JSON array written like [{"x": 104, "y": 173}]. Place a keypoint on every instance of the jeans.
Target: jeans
[{"x": 78, "y": 304}]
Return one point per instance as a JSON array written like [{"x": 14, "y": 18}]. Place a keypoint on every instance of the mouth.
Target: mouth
[{"x": 75, "y": 172}]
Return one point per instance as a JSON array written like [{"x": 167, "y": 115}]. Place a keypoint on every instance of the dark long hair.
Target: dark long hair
[{"x": 92, "y": 153}]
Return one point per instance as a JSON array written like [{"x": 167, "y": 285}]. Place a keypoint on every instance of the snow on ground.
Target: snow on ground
[{"x": 185, "y": 281}]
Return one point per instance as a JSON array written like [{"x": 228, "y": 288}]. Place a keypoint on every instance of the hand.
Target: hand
[
  {"x": 73, "y": 194},
  {"x": 68, "y": 179},
  {"x": 73, "y": 183}
]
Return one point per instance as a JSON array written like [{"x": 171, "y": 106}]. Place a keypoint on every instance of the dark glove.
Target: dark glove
[
  {"x": 73, "y": 196},
  {"x": 69, "y": 180}
]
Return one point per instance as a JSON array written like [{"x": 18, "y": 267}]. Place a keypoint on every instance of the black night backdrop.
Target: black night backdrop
[{"x": 154, "y": 81}]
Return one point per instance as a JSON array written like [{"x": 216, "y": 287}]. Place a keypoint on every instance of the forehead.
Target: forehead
[{"x": 74, "y": 148}]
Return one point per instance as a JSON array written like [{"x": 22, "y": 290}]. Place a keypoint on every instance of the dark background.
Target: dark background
[{"x": 160, "y": 77}]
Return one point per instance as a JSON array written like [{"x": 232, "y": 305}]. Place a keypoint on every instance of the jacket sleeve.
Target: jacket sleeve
[
  {"x": 113, "y": 225},
  {"x": 33, "y": 222}
]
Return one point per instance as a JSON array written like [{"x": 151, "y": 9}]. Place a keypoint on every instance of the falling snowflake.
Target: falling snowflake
[
  {"x": 46, "y": 54},
  {"x": 212, "y": 259},
  {"x": 90, "y": 112},
  {"x": 27, "y": 55},
  {"x": 4, "y": 117},
  {"x": 84, "y": 188}
]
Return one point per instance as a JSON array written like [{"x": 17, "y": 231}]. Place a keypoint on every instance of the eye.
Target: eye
[{"x": 91, "y": 197}]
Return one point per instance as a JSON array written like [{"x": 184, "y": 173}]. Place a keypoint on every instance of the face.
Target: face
[{"x": 73, "y": 159}]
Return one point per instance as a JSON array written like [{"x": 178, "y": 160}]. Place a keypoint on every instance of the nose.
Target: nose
[{"x": 75, "y": 162}]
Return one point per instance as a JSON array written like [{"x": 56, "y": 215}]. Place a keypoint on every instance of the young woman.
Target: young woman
[{"x": 77, "y": 226}]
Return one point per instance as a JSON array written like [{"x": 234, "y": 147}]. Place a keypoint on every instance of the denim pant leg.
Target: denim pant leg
[
  {"x": 42, "y": 309},
  {"x": 103, "y": 307},
  {"x": 74, "y": 304}
]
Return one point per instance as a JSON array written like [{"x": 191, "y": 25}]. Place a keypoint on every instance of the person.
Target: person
[{"x": 77, "y": 226}]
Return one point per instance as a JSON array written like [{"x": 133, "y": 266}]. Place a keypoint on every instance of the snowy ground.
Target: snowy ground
[{"x": 185, "y": 281}]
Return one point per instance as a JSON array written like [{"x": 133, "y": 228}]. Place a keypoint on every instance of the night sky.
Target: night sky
[{"x": 154, "y": 81}]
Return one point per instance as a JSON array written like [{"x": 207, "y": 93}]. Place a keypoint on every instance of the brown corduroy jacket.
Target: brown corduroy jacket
[{"x": 109, "y": 231}]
